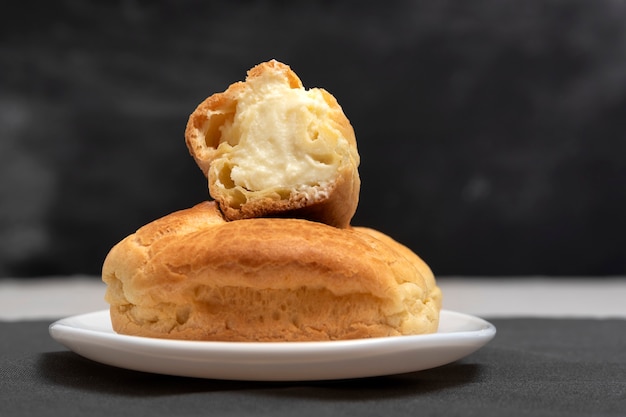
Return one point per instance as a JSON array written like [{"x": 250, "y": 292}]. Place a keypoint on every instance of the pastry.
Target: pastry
[
  {"x": 271, "y": 148},
  {"x": 194, "y": 275}
]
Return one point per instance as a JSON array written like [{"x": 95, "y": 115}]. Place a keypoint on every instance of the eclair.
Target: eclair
[
  {"x": 271, "y": 148},
  {"x": 193, "y": 275}
]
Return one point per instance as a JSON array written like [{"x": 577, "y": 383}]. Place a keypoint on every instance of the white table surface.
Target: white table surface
[{"x": 56, "y": 297}]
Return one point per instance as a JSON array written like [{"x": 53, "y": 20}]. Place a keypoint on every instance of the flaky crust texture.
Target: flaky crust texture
[
  {"x": 193, "y": 275},
  {"x": 332, "y": 202}
]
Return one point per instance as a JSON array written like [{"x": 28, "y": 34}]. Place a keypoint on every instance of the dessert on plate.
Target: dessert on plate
[{"x": 273, "y": 256}]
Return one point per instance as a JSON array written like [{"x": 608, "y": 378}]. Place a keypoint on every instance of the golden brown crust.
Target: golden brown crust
[
  {"x": 422, "y": 267},
  {"x": 193, "y": 275},
  {"x": 313, "y": 127}
]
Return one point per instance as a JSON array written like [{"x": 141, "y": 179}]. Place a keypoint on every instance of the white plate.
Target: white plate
[{"x": 90, "y": 335}]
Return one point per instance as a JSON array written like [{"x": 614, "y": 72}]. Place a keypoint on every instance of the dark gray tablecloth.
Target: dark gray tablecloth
[{"x": 533, "y": 367}]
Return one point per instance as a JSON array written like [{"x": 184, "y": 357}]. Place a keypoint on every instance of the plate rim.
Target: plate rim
[
  {"x": 84, "y": 340},
  {"x": 65, "y": 324}
]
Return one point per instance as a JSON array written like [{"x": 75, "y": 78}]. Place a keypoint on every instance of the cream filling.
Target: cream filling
[{"x": 278, "y": 139}]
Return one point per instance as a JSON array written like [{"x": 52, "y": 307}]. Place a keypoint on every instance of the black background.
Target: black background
[{"x": 492, "y": 133}]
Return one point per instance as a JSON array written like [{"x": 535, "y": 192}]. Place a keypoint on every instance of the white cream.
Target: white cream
[{"x": 276, "y": 140}]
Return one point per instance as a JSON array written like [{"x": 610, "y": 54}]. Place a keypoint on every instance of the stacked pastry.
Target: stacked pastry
[{"x": 273, "y": 256}]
